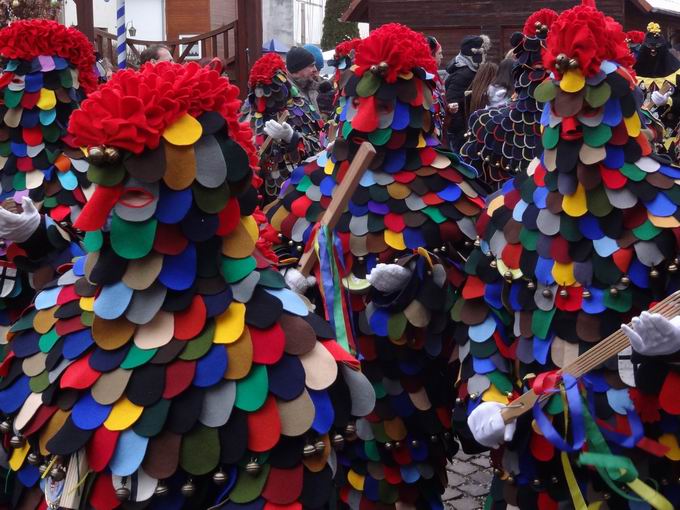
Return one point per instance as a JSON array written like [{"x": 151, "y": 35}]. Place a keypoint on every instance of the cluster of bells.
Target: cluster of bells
[
  {"x": 58, "y": 471},
  {"x": 623, "y": 283},
  {"x": 541, "y": 29},
  {"x": 564, "y": 63},
  {"x": 487, "y": 159},
  {"x": 100, "y": 155},
  {"x": 380, "y": 69}
]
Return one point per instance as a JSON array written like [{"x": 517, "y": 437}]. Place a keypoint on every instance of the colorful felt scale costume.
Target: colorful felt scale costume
[
  {"x": 270, "y": 95},
  {"x": 502, "y": 141},
  {"x": 48, "y": 69},
  {"x": 170, "y": 366},
  {"x": 569, "y": 250},
  {"x": 415, "y": 198}
]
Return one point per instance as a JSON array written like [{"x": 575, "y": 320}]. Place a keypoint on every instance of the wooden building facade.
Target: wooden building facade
[{"x": 450, "y": 20}]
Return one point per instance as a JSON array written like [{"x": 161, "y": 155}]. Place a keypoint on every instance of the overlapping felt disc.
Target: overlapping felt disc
[
  {"x": 503, "y": 140},
  {"x": 165, "y": 354}
]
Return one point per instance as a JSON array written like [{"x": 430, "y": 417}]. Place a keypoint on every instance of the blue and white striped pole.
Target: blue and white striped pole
[{"x": 121, "y": 31}]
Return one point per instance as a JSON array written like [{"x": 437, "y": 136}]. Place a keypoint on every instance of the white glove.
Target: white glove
[
  {"x": 653, "y": 334},
  {"x": 389, "y": 277},
  {"x": 279, "y": 131},
  {"x": 660, "y": 99},
  {"x": 488, "y": 427},
  {"x": 297, "y": 281},
  {"x": 19, "y": 227}
]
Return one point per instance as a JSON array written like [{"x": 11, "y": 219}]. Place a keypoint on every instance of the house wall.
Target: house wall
[
  {"x": 278, "y": 21},
  {"x": 450, "y": 20},
  {"x": 147, "y": 16}
]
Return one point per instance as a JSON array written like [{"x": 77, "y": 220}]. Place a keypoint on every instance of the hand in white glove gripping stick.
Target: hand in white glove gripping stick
[
  {"x": 488, "y": 427},
  {"x": 279, "y": 131},
  {"x": 654, "y": 335}
]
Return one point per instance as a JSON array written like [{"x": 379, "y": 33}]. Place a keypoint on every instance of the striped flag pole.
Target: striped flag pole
[{"x": 121, "y": 31}]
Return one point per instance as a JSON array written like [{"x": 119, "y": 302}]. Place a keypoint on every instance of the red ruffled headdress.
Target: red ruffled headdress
[
  {"x": 133, "y": 109},
  {"x": 585, "y": 34},
  {"x": 545, "y": 17},
  {"x": 346, "y": 47},
  {"x": 28, "y": 39},
  {"x": 635, "y": 36},
  {"x": 399, "y": 47},
  {"x": 265, "y": 68}
]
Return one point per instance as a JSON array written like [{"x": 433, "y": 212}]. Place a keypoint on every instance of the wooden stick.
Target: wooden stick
[
  {"x": 268, "y": 141},
  {"x": 592, "y": 358},
  {"x": 340, "y": 199}
]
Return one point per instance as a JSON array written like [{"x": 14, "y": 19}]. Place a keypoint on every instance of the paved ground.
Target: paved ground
[{"x": 469, "y": 479}]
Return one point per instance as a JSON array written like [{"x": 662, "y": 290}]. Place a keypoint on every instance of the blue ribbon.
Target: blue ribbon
[{"x": 577, "y": 423}]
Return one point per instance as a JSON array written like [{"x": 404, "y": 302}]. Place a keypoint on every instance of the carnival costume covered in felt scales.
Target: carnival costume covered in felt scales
[
  {"x": 47, "y": 70},
  {"x": 582, "y": 241},
  {"x": 503, "y": 140},
  {"x": 271, "y": 94},
  {"x": 170, "y": 364},
  {"x": 416, "y": 204}
]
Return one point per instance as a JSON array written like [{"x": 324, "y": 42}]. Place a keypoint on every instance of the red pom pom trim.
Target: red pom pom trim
[
  {"x": 28, "y": 39},
  {"x": 132, "y": 110},
  {"x": 635, "y": 36},
  {"x": 587, "y": 35},
  {"x": 265, "y": 68},
  {"x": 346, "y": 47},
  {"x": 545, "y": 16},
  {"x": 398, "y": 46}
]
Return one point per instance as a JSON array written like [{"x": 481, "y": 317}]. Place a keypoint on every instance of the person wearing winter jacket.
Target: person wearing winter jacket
[{"x": 462, "y": 70}]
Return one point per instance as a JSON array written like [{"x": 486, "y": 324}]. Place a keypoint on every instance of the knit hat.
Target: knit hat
[
  {"x": 298, "y": 58},
  {"x": 318, "y": 55}
]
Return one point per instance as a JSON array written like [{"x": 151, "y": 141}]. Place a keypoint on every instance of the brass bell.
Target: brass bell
[
  {"x": 536, "y": 482},
  {"x": 573, "y": 63},
  {"x": 614, "y": 291},
  {"x": 553, "y": 479},
  {"x": 42, "y": 468},
  {"x": 388, "y": 445},
  {"x": 606, "y": 496},
  {"x": 478, "y": 243},
  {"x": 459, "y": 401},
  {"x": 434, "y": 438},
  {"x": 507, "y": 275},
  {"x": 511, "y": 479},
  {"x": 547, "y": 293},
  {"x": 383, "y": 67},
  {"x": 625, "y": 280},
  {"x": 673, "y": 268},
  {"x": 95, "y": 155},
  {"x": 564, "y": 293},
  {"x": 57, "y": 473},
  {"x": 397, "y": 445},
  {"x": 338, "y": 441},
  {"x": 253, "y": 468},
  {"x": 6, "y": 427},
  {"x": 473, "y": 396},
  {"x": 219, "y": 477},
  {"x": 360, "y": 259},
  {"x": 493, "y": 263},
  {"x": 290, "y": 243},
  {"x": 122, "y": 493},
  {"x": 531, "y": 285},
  {"x": 161, "y": 489},
  {"x": 436, "y": 250},
  {"x": 308, "y": 450},
  {"x": 298, "y": 247},
  {"x": 320, "y": 446},
  {"x": 33, "y": 459},
  {"x": 654, "y": 273},
  {"x": 350, "y": 430},
  {"x": 586, "y": 294},
  {"x": 17, "y": 442},
  {"x": 111, "y": 155},
  {"x": 508, "y": 168},
  {"x": 497, "y": 472},
  {"x": 447, "y": 435},
  {"x": 468, "y": 244},
  {"x": 415, "y": 443},
  {"x": 487, "y": 159},
  {"x": 188, "y": 488}
]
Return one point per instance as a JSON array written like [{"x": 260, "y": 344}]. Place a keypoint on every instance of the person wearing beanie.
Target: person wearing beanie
[
  {"x": 302, "y": 71},
  {"x": 462, "y": 70},
  {"x": 318, "y": 56},
  {"x": 326, "y": 90}
]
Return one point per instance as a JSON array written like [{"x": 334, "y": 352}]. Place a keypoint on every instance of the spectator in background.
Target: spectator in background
[
  {"x": 502, "y": 87},
  {"x": 477, "y": 95},
  {"x": 462, "y": 70},
  {"x": 155, "y": 53},
  {"x": 303, "y": 73},
  {"x": 326, "y": 95}
]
